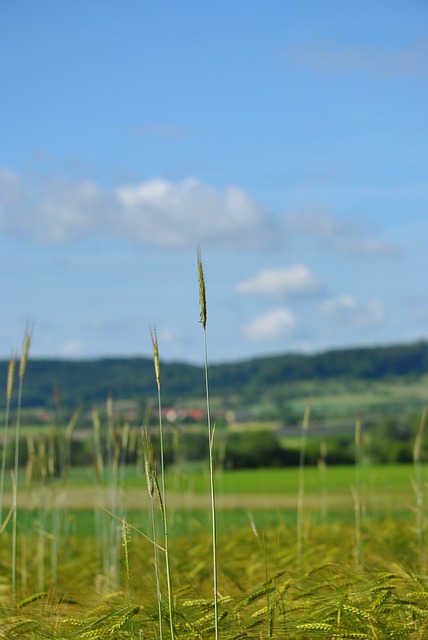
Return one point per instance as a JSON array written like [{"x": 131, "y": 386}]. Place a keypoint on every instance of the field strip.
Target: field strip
[{"x": 90, "y": 497}]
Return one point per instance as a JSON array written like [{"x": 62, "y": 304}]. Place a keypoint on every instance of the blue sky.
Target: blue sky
[{"x": 289, "y": 140}]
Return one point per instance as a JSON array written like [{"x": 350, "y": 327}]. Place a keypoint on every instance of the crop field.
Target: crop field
[
  {"x": 133, "y": 549},
  {"x": 86, "y": 565}
]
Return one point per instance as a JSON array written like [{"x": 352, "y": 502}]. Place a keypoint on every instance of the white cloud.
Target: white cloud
[
  {"x": 348, "y": 310},
  {"x": 335, "y": 233},
  {"x": 157, "y": 213},
  {"x": 172, "y": 215},
  {"x": 326, "y": 56},
  {"x": 364, "y": 247},
  {"x": 165, "y": 214},
  {"x": 10, "y": 195},
  {"x": 10, "y": 186},
  {"x": 318, "y": 223},
  {"x": 284, "y": 283},
  {"x": 272, "y": 325},
  {"x": 73, "y": 348},
  {"x": 65, "y": 211}
]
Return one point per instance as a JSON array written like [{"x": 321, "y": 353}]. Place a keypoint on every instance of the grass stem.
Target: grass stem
[
  {"x": 211, "y": 431},
  {"x": 419, "y": 489},
  {"x": 301, "y": 490},
  {"x": 9, "y": 389},
  {"x": 156, "y": 361},
  {"x": 357, "y": 493},
  {"x": 22, "y": 369}
]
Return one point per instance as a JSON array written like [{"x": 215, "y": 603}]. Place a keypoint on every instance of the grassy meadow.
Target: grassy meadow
[
  {"x": 191, "y": 551},
  {"x": 86, "y": 564}
]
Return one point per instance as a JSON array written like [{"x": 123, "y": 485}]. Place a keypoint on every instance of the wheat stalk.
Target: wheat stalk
[
  {"x": 203, "y": 321},
  {"x": 419, "y": 487},
  {"x": 22, "y": 369},
  {"x": 162, "y": 495},
  {"x": 9, "y": 390},
  {"x": 150, "y": 469},
  {"x": 357, "y": 494},
  {"x": 301, "y": 492}
]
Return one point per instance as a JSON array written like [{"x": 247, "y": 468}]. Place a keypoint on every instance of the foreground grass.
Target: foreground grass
[
  {"x": 263, "y": 591},
  {"x": 261, "y": 595},
  {"x": 268, "y": 582}
]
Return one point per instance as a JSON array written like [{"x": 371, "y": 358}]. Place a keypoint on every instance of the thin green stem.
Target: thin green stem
[
  {"x": 212, "y": 487},
  {"x": 419, "y": 489},
  {"x": 358, "y": 492},
  {"x": 156, "y": 361},
  {"x": 156, "y": 560},
  {"x": 15, "y": 485},
  {"x": 301, "y": 492},
  {"x": 164, "y": 517},
  {"x": 203, "y": 321},
  {"x": 10, "y": 376}
]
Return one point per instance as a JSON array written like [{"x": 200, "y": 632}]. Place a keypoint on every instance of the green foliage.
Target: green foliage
[
  {"x": 86, "y": 382},
  {"x": 262, "y": 593},
  {"x": 252, "y": 449}
]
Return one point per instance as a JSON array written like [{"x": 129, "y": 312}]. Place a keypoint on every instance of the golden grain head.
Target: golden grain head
[
  {"x": 109, "y": 407},
  {"x": 156, "y": 358},
  {"x": 149, "y": 465},
  {"x": 358, "y": 433},
  {"x": 202, "y": 296},
  {"x": 25, "y": 352},
  {"x": 307, "y": 415},
  {"x": 10, "y": 378}
]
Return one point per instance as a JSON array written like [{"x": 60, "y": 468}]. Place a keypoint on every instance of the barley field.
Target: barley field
[{"x": 141, "y": 551}]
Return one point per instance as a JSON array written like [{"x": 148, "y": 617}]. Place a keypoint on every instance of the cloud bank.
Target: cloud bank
[
  {"x": 326, "y": 56},
  {"x": 346, "y": 309},
  {"x": 295, "y": 281},
  {"x": 334, "y": 233},
  {"x": 165, "y": 214},
  {"x": 156, "y": 213},
  {"x": 274, "y": 324}
]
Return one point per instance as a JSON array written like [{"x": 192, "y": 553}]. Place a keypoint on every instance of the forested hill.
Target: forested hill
[{"x": 90, "y": 381}]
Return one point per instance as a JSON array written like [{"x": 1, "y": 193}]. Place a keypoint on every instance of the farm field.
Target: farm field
[
  {"x": 131, "y": 548},
  {"x": 387, "y": 489},
  {"x": 84, "y": 573}
]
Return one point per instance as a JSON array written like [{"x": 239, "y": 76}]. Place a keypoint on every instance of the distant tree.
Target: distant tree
[{"x": 254, "y": 449}]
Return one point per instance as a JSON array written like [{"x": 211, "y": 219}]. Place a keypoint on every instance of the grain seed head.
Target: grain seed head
[
  {"x": 25, "y": 351},
  {"x": 156, "y": 359},
  {"x": 149, "y": 464},
  {"x": 202, "y": 297},
  {"x": 10, "y": 377}
]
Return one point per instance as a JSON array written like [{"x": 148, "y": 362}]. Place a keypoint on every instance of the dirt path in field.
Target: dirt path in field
[{"x": 89, "y": 497}]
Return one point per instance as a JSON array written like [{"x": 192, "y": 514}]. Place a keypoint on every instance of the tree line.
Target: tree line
[{"x": 85, "y": 382}]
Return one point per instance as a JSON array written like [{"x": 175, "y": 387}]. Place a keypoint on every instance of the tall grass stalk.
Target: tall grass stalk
[
  {"x": 301, "y": 491},
  {"x": 156, "y": 361},
  {"x": 125, "y": 534},
  {"x": 357, "y": 492},
  {"x": 150, "y": 470},
  {"x": 100, "y": 530},
  {"x": 203, "y": 321},
  {"x": 419, "y": 489},
  {"x": 322, "y": 466},
  {"x": 113, "y": 451},
  {"x": 21, "y": 375},
  {"x": 68, "y": 433},
  {"x": 9, "y": 390},
  {"x": 268, "y": 579}
]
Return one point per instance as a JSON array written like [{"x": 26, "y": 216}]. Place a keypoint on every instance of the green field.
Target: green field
[
  {"x": 292, "y": 553},
  {"x": 74, "y": 580},
  {"x": 269, "y": 495}
]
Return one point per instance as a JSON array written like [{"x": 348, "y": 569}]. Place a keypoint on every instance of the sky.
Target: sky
[{"x": 289, "y": 140}]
